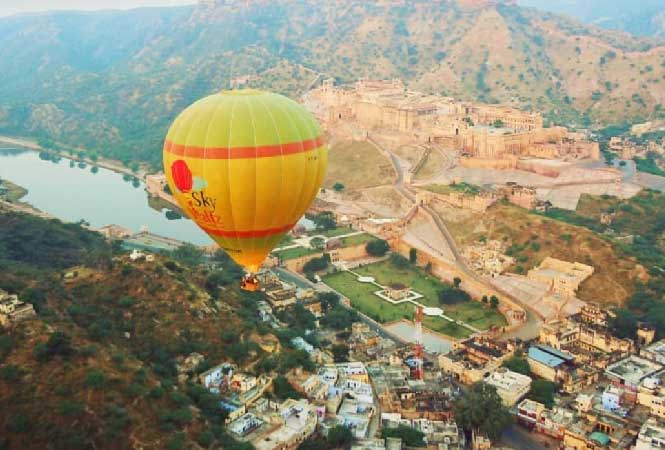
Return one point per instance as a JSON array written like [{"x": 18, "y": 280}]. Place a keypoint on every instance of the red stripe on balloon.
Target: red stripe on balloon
[
  {"x": 263, "y": 151},
  {"x": 249, "y": 234}
]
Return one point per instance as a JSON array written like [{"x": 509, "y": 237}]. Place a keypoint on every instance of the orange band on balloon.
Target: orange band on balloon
[
  {"x": 264, "y": 151},
  {"x": 249, "y": 234}
]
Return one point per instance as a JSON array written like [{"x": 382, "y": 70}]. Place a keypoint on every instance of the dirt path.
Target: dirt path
[{"x": 534, "y": 320}]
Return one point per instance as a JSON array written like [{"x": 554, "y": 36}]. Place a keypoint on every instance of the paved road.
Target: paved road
[
  {"x": 303, "y": 282},
  {"x": 521, "y": 439},
  {"x": 534, "y": 318}
]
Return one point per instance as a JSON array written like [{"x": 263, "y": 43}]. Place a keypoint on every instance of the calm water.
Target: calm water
[
  {"x": 432, "y": 342},
  {"x": 100, "y": 198}
]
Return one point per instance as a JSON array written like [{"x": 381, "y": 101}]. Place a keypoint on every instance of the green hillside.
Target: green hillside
[{"x": 112, "y": 82}]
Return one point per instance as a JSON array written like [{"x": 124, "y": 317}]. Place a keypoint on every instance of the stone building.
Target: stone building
[
  {"x": 13, "y": 310},
  {"x": 473, "y": 359},
  {"x": 516, "y": 194},
  {"x": 652, "y": 435},
  {"x": 397, "y": 291},
  {"x": 551, "y": 422},
  {"x": 561, "y": 277},
  {"x": 511, "y": 386}
]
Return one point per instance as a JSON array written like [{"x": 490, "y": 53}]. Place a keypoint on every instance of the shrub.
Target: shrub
[
  {"x": 378, "y": 247},
  {"x": 95, "y": 379}
]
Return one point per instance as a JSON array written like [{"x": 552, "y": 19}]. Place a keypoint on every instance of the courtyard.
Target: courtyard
[{"x": 363, "y": 297}]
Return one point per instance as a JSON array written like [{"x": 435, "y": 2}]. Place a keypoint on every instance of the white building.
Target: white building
[
  {"x": 12, "y": 309},
  {"x": 298, "y": 421},
  {"x": 218, "y": 377},
  {"x": 652, "y": 435},
  {"x": 511, "y": 386},
  {"x": 245, "y": 424},
  {"x": 655, "y": 352}
]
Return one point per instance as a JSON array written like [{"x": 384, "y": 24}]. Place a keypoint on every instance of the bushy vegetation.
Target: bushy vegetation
[
  {"x": 410, "y": 436},
  {"x": 50, "y": 244},
  {"x": 481, "y": 410},
  {"x": 378, "y": 247}
]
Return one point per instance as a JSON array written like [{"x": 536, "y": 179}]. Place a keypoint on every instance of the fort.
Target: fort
[{"x": 489, "y": 136}]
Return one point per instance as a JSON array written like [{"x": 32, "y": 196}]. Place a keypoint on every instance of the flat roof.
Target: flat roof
[
  {"x": 657, "y": 347},
  {"x": 548, "y": 358},
  {"x": 633, "y": 369},
  {"x": 599, "y": 437}
]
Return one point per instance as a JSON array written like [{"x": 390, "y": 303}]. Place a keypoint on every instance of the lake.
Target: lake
[{"x": 101, "y": 198}]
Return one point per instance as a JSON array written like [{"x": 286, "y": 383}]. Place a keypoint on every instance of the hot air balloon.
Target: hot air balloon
[{"x": 245, "y": 165}]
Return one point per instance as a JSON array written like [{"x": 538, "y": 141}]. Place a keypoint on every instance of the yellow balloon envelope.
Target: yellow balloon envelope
[{"x": 245, "y": 165}]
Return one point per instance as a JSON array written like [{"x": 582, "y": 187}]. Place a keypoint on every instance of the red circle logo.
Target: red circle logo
[{"x": 182, "y": 176}]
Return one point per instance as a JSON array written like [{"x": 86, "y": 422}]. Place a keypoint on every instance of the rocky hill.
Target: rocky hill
[
  {"x": 647, "y": 18},
  {"x": 113, "y": 81},
  {"x": 102, "y": 364}
]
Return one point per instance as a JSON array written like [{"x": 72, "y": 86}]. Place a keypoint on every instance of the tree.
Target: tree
[
  {"x": 339, "y": 318},
  {"x": 498, "y": 123},
  {"x": 624, "y": 324},
  {"x": 399, "y": 261},
  {"x": 338, "y": 187},
  {"x": 494, "y": 301},
  {"x": 95, "y": 379},
  {"x": 329, "y": 300},
  {"x": 482, "y": 410},
  {"x": 283, "y": 389},
  {"x": 519, "y": 365},
  {"x": 457, "y": 281},
  {"x": 58, "y": 344},
  {"x": 324, "y": 220},
  {"x": 316, "y": 264},
  {"x": 340, "y": 352},
  {"x": 188, "y": 254},
  {"x": 6, "y": 345},
  {"x": 339, "y": 437},
  {"x": 543, "y": 391},
  {"x": 378, "y": 247},
  {"x": 451, "y": 296},
  {"x": 413, "y": 256},
  {"x": 410, "y": 436},
  {"x": 317, "y": 242}
]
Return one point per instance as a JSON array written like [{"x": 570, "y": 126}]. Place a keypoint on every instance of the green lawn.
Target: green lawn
[
  {"x": 362, "y": 297},
  {"x": 286, "y": 240},
  {"x": 385, "y": 273},
  {"x": 475, "y": 314},
  {"x": 648, "y": 165},
  {"x": 331, "y": 233},
  {"x": 445, "y": 327},
  {"x": 450, "y": 188},
  {"x": 357, "y": 239},
  {"x": 296, "y": 252}
]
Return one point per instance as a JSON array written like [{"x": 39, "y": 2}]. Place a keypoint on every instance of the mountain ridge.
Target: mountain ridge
[{"x": 118, "y": 91}]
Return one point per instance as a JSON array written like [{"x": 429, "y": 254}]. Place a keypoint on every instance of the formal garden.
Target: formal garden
[{"x": 435, "y": 293}]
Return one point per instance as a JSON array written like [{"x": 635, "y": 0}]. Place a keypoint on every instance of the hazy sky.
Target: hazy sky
[{"x": 8, "y": 7}]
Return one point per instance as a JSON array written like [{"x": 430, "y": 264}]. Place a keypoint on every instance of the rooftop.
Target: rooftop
[
  {"x": 548, "y": 355},
  {"x": 633, "y": 370},
  {"x": 599, "y": 437},
  {"x": 508, "y": 380},
  {"x": 657, "y": 347}
]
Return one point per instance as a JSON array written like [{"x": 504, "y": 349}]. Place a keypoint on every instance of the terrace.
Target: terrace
[{"x": 632, "y": 370}]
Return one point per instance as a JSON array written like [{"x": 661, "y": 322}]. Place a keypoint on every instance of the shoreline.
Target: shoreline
[{"x": 110, "y": 164}]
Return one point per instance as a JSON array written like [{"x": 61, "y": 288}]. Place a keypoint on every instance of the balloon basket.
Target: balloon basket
[{"x": 250, "y": 283}]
